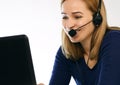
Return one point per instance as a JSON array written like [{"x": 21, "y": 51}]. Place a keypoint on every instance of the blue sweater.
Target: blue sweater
[{"x": 105, "y": 72}]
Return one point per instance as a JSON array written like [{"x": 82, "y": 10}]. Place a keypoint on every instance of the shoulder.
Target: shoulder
[
  {"x": 111, "y": 43},
  {"x": 60, "y": 57},
  {"x": 112, "y": 33},
  {"x": 112, "y": 36},
  {"x": 60, "y": 53}
]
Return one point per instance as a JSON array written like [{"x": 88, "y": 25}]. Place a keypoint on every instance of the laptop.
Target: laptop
[{"x": 16, "y": 66}]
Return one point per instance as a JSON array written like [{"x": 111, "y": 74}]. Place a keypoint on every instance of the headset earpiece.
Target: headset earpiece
[{"x": 97, "y": 19}]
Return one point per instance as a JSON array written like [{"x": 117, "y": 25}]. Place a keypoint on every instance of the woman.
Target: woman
[{"x": 90, "y": 50}]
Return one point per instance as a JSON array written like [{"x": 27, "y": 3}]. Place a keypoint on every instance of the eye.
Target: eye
[
  {"x": 64, "y": 17},
  {"x": 78, "y": 17}
]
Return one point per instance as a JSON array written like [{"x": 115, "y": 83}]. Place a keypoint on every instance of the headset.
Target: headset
[{"x": 97, "y": 20}]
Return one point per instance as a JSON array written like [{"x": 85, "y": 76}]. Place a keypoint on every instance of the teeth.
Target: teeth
[{"x": 78, "y": 29}]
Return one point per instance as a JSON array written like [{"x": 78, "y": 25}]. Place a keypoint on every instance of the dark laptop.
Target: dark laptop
[{"x": 16, "y": 66}]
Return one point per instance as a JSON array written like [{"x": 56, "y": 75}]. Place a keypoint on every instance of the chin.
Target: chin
[{"x": 74, "y": 40}]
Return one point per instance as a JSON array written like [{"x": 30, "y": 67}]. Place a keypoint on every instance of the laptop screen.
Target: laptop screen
[{"x": 16, "y": 61}]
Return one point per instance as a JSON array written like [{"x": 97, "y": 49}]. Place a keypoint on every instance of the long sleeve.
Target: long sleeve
[
  {"x": 60, "y": 73},
  {"x": 110, "y": 66}
]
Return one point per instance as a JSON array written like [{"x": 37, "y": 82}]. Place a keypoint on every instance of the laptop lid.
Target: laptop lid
[{"x": 16, "y": 66}]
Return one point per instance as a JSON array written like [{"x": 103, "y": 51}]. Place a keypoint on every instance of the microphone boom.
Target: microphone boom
[{"x": 73, "y": 32}]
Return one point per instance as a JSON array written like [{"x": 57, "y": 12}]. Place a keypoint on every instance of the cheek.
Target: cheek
[
  {"x": 63, "y": 23},
  {"x": 86, "y": 31},
  {"x": 64, "y": 28},
  {"x": 89, "y": 28}
]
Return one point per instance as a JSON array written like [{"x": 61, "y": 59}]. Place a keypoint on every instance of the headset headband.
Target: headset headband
[{"x": 99, "y": 5}]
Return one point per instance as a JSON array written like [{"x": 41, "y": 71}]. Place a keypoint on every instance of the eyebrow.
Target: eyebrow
[
  {"x": 77, "y": 12},
  {"x": 73, "y": 12}
]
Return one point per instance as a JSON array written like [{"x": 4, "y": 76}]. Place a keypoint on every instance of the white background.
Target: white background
[{"x": 40, "y": 20}]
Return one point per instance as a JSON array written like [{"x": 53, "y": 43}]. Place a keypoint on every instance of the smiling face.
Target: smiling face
[{"x": 75, "y": 14}]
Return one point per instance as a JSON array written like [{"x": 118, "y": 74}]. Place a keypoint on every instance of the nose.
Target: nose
[{"x": 69, "y": 24}]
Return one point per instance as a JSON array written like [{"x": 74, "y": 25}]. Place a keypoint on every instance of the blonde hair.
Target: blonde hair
[{"x": 75, "y": 51}]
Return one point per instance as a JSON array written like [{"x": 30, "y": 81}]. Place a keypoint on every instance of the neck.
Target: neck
[{"x": 86, "y": 45}]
